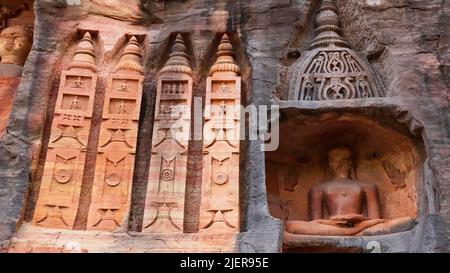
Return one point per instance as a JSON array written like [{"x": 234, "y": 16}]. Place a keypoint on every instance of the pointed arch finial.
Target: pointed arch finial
[
  {"x": 131, "y": 58},
  {"x": 178, "y": 61},
  {"x": 84, "y": 56},
  {"x": 225, "y": 62}
]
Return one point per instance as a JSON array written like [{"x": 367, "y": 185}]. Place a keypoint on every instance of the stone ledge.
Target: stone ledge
[
  {"x": 407, "y": 241},
  {"x": 32, "y": 239},
  {"x": 386, "y": 102}
]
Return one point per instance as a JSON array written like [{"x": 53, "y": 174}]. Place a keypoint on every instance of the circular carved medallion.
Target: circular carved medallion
[
  {"x": 113, "y": 180},
  {"x": 221, "y": 178},
  {"x": 63, "y": 176},
  {"x": 167, "y": 175}
]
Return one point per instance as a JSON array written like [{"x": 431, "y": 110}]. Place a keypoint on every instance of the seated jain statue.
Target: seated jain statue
[{"x": 353, "y": 206}]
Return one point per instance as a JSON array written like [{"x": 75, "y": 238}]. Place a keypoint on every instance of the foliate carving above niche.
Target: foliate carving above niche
[{"x": 331, "y": 70}]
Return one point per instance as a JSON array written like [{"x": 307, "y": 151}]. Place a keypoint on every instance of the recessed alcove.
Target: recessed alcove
[{"x": 384, "y": 153}]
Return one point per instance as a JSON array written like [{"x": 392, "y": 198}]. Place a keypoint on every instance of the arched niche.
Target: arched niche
[{"x": 388, "y": 157}]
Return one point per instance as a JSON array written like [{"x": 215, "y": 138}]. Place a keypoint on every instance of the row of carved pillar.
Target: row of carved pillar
[{"x": 59, "y": 196}]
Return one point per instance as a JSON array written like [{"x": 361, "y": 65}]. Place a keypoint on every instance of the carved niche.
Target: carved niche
[
  {"x": 114, "y": 166},
  {"x": 304, "y": 179},
  {"x": 331, "y": 70},
  {"x": 219, "y": 210},
  {"x": 59, "y": 193},
  {"x": 164, "y": 205}
]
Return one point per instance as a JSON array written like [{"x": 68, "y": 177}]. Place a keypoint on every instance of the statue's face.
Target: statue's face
[
  {"x": 340, "y": 162},
  {"x": 15, "y": 44}
]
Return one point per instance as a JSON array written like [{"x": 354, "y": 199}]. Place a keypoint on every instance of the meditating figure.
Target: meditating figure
[{"x": 345, "y": 207}]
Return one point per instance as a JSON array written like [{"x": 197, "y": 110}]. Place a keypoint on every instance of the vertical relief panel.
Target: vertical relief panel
[
  {"x": 111, "y": 192},
  {"x": 219, "y": 211},
  {"x": 64, "y": 165},
  {"x": 164, "y": 205}
]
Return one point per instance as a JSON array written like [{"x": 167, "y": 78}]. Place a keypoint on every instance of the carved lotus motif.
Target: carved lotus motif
[
  {"x": 63, "y": 176},
  {"x": 221, "y": 178},
  {"x": 113, "y": 180},
  {"x": 167, "y": 175}
]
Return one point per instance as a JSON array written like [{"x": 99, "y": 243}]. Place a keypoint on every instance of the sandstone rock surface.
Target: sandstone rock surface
[{"x": 407, "y": 43}]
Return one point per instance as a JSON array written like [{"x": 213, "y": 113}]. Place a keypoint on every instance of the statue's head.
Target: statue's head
[
  {"x": 340, "y": 162},
  {"x": 15, "y": 44}
]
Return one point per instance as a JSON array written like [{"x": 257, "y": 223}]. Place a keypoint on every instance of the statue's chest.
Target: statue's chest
[{"x": 342, "y": 192}]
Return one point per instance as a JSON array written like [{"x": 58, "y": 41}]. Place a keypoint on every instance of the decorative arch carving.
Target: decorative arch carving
[{"x": 331, "y": 70}]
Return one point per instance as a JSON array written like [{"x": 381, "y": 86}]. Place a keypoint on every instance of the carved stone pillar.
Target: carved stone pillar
[
  {"x": 111, "y": 190},
  {"x": 64, "y": 165},
  {"x": 164, "y": 206},
  {"x": 219, "y": 211}
]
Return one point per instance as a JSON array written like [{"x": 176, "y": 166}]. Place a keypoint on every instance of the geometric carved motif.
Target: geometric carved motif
[
  {"x": 111, "y": 192},
  {"x": 59, "y": 193},
  {"x": 331, "y": 70},
  {"x": 164, "y": 205},
  {"x": 219, "y": 210}
]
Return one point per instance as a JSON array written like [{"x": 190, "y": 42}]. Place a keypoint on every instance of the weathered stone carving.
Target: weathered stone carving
[
  {"x": 111, "y": 190},
  {"x": 15, "y": 44},
  {"x": 337, "y": 206},
  {"x": 8, "y": 86},
  {"x": 219, "y": 211},
  {"x": 164, "y": 206},
  {"x": 64, "y": 165},
  {"x": 7, "y": 13},
  {"x": 396, "y": 176},
  {"x": 331, "y": 70}
]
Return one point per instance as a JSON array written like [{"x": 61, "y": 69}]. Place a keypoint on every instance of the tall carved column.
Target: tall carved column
[
  {"x": 219, "y": 211},
  {"x": 164, "y": 206},
  {"x": 110, "y": 202},
  {"x": 64, "y": 165}
]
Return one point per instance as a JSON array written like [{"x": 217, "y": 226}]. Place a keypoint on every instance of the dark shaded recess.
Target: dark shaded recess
[
  {"x": 195, "y": 155},
  {"x": 92, "y": 145},
  {"x": 156, "y": 58},
  {"x": 143, "y": 154}
]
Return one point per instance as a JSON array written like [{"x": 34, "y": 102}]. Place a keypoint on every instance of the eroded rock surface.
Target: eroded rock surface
[{"x": 406, "y": 42}]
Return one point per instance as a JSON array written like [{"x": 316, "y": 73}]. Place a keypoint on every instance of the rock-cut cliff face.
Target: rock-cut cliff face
[{"x": 405, "y": 42}]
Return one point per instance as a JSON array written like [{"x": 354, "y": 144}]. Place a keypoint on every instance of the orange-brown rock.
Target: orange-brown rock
[
  {"x": 219, "y": 210},
  {"x": 15, "y": 44},
  {"x": 59, "y": 193},
  {"x": 111, "y": 192},
  {"x": 164, "y": 205},
  {"x": 382, "y": 92},
  {"x": 343, "y": 206},
  {"x": 8, "y": 86}
]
